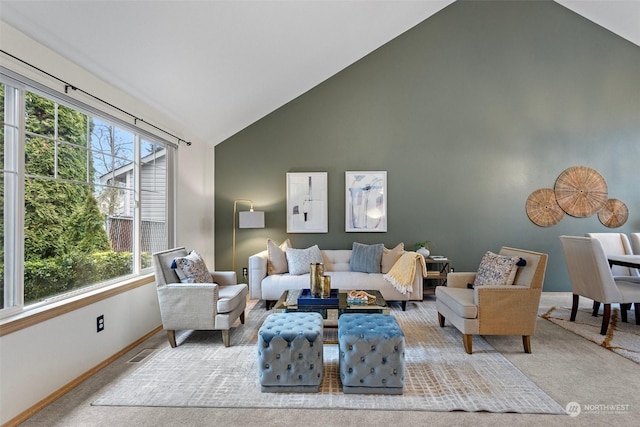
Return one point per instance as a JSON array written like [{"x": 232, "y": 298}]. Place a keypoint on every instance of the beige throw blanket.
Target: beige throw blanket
[{"x": 403, "y": 271}]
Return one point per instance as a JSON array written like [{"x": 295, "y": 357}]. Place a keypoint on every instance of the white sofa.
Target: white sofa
[{"x": 263, "y": 286}]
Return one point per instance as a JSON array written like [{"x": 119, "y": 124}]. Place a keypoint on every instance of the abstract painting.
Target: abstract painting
[
  {"x": 366, "y": 201},
  {"x": 307, "y": 202}
]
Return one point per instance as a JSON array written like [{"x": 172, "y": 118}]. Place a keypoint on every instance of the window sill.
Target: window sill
[{"x": 41, "y": 314}]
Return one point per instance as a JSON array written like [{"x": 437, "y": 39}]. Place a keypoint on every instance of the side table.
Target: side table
[{"x": 437, "y": 270}]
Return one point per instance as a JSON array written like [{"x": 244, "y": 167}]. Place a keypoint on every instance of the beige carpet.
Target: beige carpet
[
  {"x": 621, "y": 338},
  {"x": 439, "y": 375}
]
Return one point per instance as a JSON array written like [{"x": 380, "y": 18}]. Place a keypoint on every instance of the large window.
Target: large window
[{"x": 85, "y": 198}]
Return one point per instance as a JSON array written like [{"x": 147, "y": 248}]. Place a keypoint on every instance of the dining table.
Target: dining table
[{"x": 631, "y": 261}]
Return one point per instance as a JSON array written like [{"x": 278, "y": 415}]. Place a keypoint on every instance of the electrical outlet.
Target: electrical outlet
[
  {"x": 100, "y": 323},
  {"x": 244, "y": 271}
]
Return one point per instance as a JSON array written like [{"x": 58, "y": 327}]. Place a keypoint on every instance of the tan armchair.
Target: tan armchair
[
  {"x": 199, "y": 306},
  {"x": 494, "y": 309}
]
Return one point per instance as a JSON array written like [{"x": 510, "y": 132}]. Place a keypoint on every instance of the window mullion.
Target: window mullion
[{"x": 137, "y": 211}]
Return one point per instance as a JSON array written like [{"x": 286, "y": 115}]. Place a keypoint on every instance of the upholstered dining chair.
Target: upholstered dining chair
[
  {"x": 494, "y": 309},
  {"x": 199, "y": 306},
  {"x": 635, "y": 243},
  {"x": 591, "y": 277},
  {"x": 616, "y": 244}
]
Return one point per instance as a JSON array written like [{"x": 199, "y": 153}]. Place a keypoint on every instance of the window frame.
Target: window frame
[{"x": 14, "y": 255}]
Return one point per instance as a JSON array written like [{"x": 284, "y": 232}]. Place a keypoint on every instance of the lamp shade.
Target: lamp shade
[{"x": 251, "y": 219}]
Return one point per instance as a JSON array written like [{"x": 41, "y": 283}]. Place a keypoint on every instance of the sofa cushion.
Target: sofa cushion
[
  {"x": 496, "y": 269},
  {"x": 299, "y": 259},
  {"x": 366, "y": 258},
  {"x": 277, "y": 259},
  {"x": 390, "y": 257},
  {"x": 191, "y": 269}
]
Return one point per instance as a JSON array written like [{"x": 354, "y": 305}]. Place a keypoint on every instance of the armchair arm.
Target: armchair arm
[
  {"x": 507, "y": 310},
  {"x": 225, "y": 277},
  {"x": 188, "y": 305},
  {"x": 460, "y": 279}
]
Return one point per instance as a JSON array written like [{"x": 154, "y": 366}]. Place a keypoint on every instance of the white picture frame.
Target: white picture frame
[
  {"x": 307, "y": 206},
  {"x": 365, "y": 201}
]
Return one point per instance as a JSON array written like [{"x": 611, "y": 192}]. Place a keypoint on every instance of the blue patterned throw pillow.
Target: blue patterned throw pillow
[
  {"x": 192, "y": 269},
  {"x": 496, "y": 269}
]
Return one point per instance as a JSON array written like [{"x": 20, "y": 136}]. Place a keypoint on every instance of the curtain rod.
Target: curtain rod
[{"x": 68, "y": 86}]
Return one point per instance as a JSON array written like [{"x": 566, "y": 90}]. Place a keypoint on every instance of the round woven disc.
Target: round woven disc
[
  {"x": 613, "y": 214},
  {"x": 581, "y": 191},
  {"x": 543, "y": 209}
]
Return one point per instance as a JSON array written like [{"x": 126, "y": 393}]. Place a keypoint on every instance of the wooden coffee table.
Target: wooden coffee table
[{"x": 288, "y": 303}]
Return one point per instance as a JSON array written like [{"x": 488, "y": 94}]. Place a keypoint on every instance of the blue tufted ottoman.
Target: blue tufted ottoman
[
  {"x": 371, "y": 354},
  {"x": 290, "y": 352}
]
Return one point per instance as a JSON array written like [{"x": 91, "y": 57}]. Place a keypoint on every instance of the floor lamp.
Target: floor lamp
[{"x": 247, "y": 219}]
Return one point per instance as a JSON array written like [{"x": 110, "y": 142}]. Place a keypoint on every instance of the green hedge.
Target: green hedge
[{"x": 54, "y": 276}]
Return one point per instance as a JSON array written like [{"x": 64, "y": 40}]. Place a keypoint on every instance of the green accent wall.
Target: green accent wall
[{"x": 468, "y": 112}]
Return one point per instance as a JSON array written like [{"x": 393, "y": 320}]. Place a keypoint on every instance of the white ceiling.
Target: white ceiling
[{"x": 218, "y": 66}]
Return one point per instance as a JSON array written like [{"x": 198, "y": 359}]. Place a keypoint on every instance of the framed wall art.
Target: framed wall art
[
  {"x": 366, "y": 201},
  {"x": 307, "y": 210}
]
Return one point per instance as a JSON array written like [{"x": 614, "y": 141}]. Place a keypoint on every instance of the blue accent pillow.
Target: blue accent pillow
[{"x": 366, "y": 258}]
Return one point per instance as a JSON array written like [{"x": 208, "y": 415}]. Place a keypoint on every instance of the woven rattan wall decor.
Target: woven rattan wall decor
[
  {"x": 543, "y": 208},
  {"x": 579, "y": 191}
]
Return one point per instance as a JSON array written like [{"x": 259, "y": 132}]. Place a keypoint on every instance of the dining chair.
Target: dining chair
[
  {"x": 591, "y": 277},
  {"x": 635, "y": 243},
  {"x": 616, "y": 244}
]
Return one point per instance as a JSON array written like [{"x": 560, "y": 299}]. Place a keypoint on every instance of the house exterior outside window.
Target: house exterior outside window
[{"x": 85, "y": 197}]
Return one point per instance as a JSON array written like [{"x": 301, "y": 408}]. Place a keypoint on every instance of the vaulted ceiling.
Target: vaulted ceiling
[{"x": 218, "y": 66}]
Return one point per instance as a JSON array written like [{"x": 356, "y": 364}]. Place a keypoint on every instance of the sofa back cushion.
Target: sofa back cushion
[{"x": 336, "y": 259}]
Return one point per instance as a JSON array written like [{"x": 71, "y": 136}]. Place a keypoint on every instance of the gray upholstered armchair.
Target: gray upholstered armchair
[{"x": 199, "y": 306}]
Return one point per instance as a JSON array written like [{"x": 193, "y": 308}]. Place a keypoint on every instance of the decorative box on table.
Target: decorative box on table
[{"x": 306, "y": 299}]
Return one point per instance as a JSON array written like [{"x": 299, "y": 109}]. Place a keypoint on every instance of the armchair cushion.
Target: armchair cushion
[
  {"x": 230, "y": 297},
  {"x": 299, "y": 259},
  {"x": 192, "y": 269},
  {"x": 496, "y": 269}
]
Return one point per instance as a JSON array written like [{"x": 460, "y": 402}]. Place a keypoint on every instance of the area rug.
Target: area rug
[
  {"x": 439, "y": 375},
  {"x": 621, "y": 338}
]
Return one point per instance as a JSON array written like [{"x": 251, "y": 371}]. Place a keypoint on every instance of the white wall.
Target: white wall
[{"x": 37, "y": 361}]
